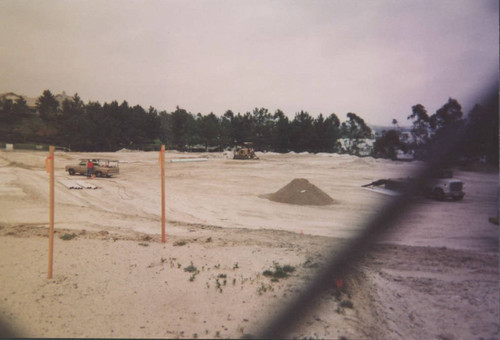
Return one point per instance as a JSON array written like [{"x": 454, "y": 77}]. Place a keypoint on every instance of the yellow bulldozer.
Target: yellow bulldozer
[{"x": 244, "y": 151}]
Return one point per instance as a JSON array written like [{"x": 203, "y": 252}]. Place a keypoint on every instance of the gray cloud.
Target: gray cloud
[{"x": 375, "y": 58}]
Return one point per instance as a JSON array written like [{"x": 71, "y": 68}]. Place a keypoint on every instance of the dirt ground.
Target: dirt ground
[{"x": 435, "y": 277}]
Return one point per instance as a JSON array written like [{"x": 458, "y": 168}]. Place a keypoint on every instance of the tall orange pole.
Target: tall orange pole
[
  {"x": 50, "y": 169},
  {"x": 162, "y": 167}
]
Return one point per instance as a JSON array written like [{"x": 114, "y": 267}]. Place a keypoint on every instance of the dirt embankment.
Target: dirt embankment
[
  {"x": 193, "y": 286},
  {"x": 431, "y": 293},
  {"x": 132, "y": 280}
]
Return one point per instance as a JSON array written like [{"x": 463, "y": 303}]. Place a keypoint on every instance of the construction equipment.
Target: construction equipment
[
  {"x": 244, "y": 151},
  {"x": 102, "y": 167},
  {"x": 440, "y": 185}
]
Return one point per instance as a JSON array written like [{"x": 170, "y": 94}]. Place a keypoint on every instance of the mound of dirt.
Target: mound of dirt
[{"x": 300, "y": 192}]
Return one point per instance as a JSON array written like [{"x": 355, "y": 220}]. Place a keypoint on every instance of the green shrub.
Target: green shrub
[
  {"x": 191, "y": 268},
  {"x": 67, "y": 237},
  {"x": 279, "y": 271},
  {"x": 346, "y": 304}
]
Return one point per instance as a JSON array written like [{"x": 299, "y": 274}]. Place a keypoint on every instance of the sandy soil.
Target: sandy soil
[{"x": 435, "y": 277}]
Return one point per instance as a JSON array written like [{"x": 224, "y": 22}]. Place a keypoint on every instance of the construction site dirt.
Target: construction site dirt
[{"x": 235, "y": 253}]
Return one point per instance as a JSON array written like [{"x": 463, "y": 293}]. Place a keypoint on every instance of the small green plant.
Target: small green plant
[
  {"x": 179, "y": 243},
  {"x": 144, "y": 244},
  {"x": 67, "y": 237},
  {"x": 192, "y": 277},
  {"x": 217, "y": 266},
  {"x": 279, "y": 271},
  {"x": 191, "y": 268},
  {"x": 222, "y": 276},
  {"x": 346, "y": 304},
  {"x": 268, "y": 273},
  {"x": 262, "y": 289},
  {"x": 235, "y": 266},
  {"x": 217, "y": 334},
  {"x": 310, "y": 263}
]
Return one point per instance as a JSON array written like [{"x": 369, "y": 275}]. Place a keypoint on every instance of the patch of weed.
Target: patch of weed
[
  {"x": 191, "y": 268},
  {"x": 67, "y": 237},
  {"x": 310, "y": 264},
  {"x": 179, "y": 243},
  {"x": 268, "y": 273},
  {"x": 346, "y": 304},
  {"x": 279, "y": 271},
  {"x": 263, "y": 288}
]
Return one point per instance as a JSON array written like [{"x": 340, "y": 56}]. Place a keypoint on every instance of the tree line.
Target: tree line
[
  {"x": 112, "y": 126},
  {"x": 426, "y": 132}
]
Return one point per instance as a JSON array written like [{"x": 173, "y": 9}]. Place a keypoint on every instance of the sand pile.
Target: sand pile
[{"x": 301, "y": 192}]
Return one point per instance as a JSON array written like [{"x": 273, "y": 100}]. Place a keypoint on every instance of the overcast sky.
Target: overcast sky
[{"x": 374, "y": 58}]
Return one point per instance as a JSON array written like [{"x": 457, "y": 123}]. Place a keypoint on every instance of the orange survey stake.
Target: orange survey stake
[
  {"x": 162, "y": 167},
  {"x": 49, "y": 167}
]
